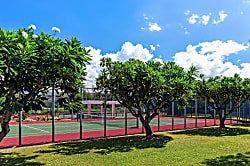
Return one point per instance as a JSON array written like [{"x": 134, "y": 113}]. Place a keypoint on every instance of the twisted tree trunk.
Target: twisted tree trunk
[
  {"x": 4, "y": 120},
  {"x": 145, "y": 122},
  {"x": 222, "y": 119}
]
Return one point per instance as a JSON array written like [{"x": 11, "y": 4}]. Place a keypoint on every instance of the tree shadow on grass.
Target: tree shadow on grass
[
  {"x": 13, "y": 158},
  {"x": 239, "y": 159},
  {"x": 215, "y": 131},
  {"x": 106, "y": 146}
]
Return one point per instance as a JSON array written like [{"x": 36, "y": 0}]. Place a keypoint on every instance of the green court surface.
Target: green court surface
[{"x": 34, "y": 129}]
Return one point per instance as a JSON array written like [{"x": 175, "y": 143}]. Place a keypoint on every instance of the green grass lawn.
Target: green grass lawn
[{"x": 207, "y": 146}]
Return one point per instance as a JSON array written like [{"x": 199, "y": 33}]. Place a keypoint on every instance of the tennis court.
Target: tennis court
[
  {"x": 41, "y": 131},
  {"x": 36, "y": 128}
]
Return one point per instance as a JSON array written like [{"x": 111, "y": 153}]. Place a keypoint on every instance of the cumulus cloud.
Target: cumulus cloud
[
  {"x": 150, "y": 24},
  {"x": 93, "y": 70},
  {"x": 154, "y": 27},
  {"x": 152, "y": 47},
  {"x": 209, "y": 58},
  {"x": 158, "y": 60},
  {"x": 128, "y": 50},
  {"x": 137, "y": 51},
  {"x": 205, "y": 19},
  {"x": 244, "y": 73},
  {"x": 187, "y": 12},
  {"x": 193, "y": 19},
  {"x": 222, "y": 16},
  {"x": 246, "y": 1}
]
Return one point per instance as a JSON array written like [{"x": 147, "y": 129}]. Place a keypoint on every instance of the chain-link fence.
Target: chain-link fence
[{"x": 100, "y": 115}]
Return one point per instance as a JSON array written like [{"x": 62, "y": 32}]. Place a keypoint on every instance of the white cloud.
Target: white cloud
[
  {"x": 246, "y": 1},
  {"x": 152, "y": 47},
  {"x": 193, "y": 19},
  {"x": 187, "y": 12},
  {"x": 158, "y": 60},
  {"x": 186, "y": 32},
  {"x": 154, "y": 27},
  {"x": 241, "y": 13},
  {"x": 128, "y": 50},
  {"x": 151, "y": 25},
  {"x": 205, "y": 19},
  {"x": 146, "y": 17},
  {"x": 238, "y": 60},
  {"x": 93, "y": 70},
  {"x": 244, "y": 73},
  {"x": 210, "y": 58},
  {"x": 157, "y": 45},
  {"x": 222, "y": 16}
]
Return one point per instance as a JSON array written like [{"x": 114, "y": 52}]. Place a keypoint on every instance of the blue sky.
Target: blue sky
[{"x": 209, "y": 34}]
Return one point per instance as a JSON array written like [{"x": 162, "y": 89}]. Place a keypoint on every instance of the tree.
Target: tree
[
  {"x": 31, "y": 64},
  {"x": 220, "y": 91},
  {"x": 71, "y": 102},
  {"x": 145, "y": 88}
]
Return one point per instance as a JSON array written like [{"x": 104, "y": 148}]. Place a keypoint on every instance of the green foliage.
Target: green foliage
[
  {"x": 152, "y": 85},
  {"x": 219, "y": 91},
  {"x": 30, "y": 65},
  {"x": 147, "y": 85},
  {"x": 71, "y": 103}
]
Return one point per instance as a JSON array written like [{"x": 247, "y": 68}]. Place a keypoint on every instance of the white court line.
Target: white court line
[{"x": 36, "y": 128}]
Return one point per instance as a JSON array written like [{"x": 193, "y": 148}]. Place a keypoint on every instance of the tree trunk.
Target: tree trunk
[
  {"x": 145, "y": 123},
  {"x": 222, "y": 120},
  {"x": 5, "y": 125},
  {"x": 148, "y": 130}
]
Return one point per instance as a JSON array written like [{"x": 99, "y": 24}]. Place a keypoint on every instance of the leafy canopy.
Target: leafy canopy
[
  {"x": 219, "y": 91},
  {"x": 150, "y": 85},
  {"x": 30, "y": 64}
]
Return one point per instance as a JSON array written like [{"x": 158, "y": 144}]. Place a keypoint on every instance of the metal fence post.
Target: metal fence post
[
  {"x": 159, "y": 121},
  {"x": 205, "y": 112},
  {"x": 126, "y": 121},
  {"x": 239, "y": 113},
  {"x": 185, "y": 117},
  {"x": 196, "y": 108},
  {"x": 173, "y": 115},
  {"x": 137, "y": 122},
  {"x": 53, "y": 112},
  {"x": 81, "y": 125},
  {"x": 230, "y": 107},
  {"x": 57, "y": 110},
  {"x": 47, "y": 110},
  {"x": 105, "y": 111},
  {"x": 214, "y": 117},
  {"x": 243, "y": 112},
  {"x": 20, "y": 127}
]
